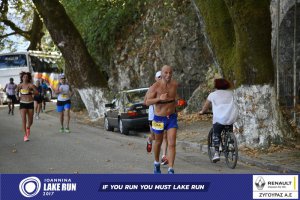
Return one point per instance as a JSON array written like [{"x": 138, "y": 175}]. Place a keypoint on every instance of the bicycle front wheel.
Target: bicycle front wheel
[
  {"x": 231, "y": 150},
  {"x": 210, "y": 147}
]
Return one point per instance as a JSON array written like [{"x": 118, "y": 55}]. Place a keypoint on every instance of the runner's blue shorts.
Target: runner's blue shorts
[
  {"x": 160, "y": 124},
  {"x": 63, "y": 105}
]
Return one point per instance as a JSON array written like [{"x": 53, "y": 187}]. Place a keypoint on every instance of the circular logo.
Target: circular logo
[
  {"x": 260, "y": 183},
  {"x": 29, "y": 187}
]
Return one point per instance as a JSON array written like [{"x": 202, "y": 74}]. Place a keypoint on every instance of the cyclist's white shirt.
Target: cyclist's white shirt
[
  {"x": 223, "y": 107},
  {"x": 64, "y": 94},
  {"x": 11, "y": 88},
  {"x": 151, "y": 113}
]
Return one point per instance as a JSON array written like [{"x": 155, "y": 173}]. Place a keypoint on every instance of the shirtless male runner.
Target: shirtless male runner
[{"x": 163, "y": 94}]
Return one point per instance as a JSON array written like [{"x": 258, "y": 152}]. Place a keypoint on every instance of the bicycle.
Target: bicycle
[{"x": 228, "y": 146}]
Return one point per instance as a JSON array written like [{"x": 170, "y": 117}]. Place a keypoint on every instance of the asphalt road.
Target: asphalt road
[{"x": 90, "y": 150}]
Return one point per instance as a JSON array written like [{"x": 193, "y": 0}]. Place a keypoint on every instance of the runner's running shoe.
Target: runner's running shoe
[
  {"x": 61, "y": 130},
  {"x": 171, "y": 171},
  {"x": 164, "y": 160},
  {"x": 26, "y": 138},
  {"x": 216, "y": 157},
  {"x": 157, "y": 168},
  {"x": 149, "y": 146},
  {"x": 67, "y": 130}
]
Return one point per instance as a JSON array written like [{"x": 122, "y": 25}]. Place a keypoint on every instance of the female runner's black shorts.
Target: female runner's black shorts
[{"x": 26, "y": 105}]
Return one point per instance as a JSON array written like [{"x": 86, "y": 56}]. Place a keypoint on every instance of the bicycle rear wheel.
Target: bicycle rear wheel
[
  {"x": 210, "y": 147},
  {"x": 231, "y": 150}
]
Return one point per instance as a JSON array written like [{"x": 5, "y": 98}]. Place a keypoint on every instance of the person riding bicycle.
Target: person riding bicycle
[{"x": 224, "y": 111}]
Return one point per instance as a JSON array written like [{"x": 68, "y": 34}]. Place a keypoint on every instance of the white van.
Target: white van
[{"x": 42, "y": 65}]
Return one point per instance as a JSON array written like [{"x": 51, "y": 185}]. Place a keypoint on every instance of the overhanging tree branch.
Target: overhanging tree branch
[
  {"x": 9, "y": 23},
  {"x": 9, "y": 34},
  {"x": 15, "y": 28}
]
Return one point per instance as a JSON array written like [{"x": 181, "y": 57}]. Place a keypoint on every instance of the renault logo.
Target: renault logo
[{"x": 260, "y": 183}]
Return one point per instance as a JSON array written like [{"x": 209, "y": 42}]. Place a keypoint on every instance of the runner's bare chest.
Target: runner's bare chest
[{"x": 170, "y": 89}]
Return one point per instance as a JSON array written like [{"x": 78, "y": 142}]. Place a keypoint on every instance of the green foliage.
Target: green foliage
[{"x": 101, "y": 23}]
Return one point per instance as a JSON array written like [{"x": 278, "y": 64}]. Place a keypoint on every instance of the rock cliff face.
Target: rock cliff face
[{"x": 167, "y": 34}]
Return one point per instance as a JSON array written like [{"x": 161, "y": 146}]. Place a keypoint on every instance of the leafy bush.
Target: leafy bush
[{"x": 101, "y": 23}]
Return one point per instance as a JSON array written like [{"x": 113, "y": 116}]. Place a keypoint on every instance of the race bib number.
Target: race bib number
[
  {"x": 24, "y": 91},
  {"x": 158, "y": 125},
  {"x": 64, "y": 96}
]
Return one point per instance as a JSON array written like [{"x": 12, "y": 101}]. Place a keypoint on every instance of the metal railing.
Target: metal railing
[{"x": 186, "y": 91}]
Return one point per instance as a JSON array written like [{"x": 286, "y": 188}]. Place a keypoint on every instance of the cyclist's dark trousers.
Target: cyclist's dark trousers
[{"x": 218, "y": 128}]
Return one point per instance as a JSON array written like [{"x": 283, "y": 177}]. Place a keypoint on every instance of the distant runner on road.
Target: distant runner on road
[
  {"x": 44, "y": 98},
  {"x": 64, "y": 103},
  {"x": 10, "y": 89}
]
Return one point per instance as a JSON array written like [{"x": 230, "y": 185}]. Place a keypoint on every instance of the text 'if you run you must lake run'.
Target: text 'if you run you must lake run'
[{"x": 154, "y": 187}]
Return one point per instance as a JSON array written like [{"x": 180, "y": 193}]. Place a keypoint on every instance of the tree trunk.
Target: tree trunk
[
  {"x": 239, "y": 31},
  {"x": 252, "y": 27},
  {"x": 80, "y": 68}
]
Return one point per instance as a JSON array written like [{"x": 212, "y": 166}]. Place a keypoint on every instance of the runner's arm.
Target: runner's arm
[
  {"x": 4, "y": 90},
  {"x": 145, "y": 98},
  {"x": 151, "y": 96},
  {"x": 17, "y": 92}
]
